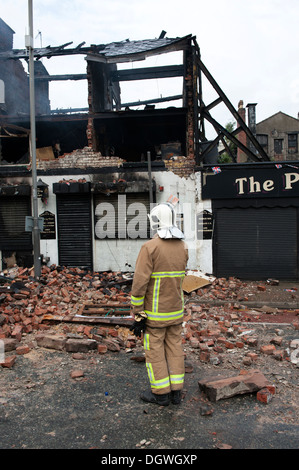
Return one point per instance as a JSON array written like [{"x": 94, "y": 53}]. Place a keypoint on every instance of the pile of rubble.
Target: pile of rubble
[
  {"x": 81, "y": 312},
  {"x": 213, "y": 331}
]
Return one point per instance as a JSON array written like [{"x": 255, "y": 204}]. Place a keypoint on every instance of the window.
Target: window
[
  {"x": 292, "y": 143},
  {"x": 263, "y": 141},
  {"x": 278, "y": 146}
]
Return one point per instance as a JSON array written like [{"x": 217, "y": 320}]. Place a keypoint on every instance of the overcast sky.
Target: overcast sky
[{"x": 249, "y": 46}]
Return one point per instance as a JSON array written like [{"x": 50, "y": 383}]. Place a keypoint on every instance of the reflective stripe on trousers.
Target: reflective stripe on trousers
[{"x": 164, "y": 358}]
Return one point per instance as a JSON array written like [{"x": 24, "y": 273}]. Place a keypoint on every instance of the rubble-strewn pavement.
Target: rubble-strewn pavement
[{"x": 72, "y": 382}]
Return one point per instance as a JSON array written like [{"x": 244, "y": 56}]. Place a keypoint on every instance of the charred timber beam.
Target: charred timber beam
[
  {"x": 263, "y": 155},
  {"x": 230, "y": 136},
  {"x": 49, "y": 78},
  {"x": 148, "y": 73},
  {"x": 154, "y": 100}
]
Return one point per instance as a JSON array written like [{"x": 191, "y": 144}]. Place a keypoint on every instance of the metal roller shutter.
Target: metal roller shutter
[
  {"x": 256, "y": 243},
  {"x": 13, "y": 212},
  {"x": 74, "y": 230}
]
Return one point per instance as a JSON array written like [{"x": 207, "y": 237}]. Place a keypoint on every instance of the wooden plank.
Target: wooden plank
[
  {"x": 147, "y": 73},
  {"x": 121, "y": 321}
]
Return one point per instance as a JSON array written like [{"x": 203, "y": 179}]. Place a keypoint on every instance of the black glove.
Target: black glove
[{"x": 138, "y": 327}]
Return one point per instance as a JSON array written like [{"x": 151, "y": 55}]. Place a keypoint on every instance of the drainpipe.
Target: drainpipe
[
  {"x": 150, "y": 178},
  {"x": 36, "y": 229}
]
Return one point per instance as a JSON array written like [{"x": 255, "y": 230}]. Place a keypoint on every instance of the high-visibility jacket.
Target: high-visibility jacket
[{"x": 157, "y": 283}]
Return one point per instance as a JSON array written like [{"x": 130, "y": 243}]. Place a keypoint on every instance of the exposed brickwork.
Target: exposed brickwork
[
  {"x": 241, "y": 156},
  {"x": 181, "y": 166},
  {"x": 81, "y": 158}
]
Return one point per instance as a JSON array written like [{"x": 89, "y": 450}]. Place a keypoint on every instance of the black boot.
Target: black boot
[
  {"x": 176, "y": 397},
  {"x": 162, "y": 400}
]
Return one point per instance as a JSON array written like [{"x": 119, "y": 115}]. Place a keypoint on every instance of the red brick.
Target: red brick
[
  {"x": 251, "y": 341},
  {"x": 9, "y": 361},
  {"x": 229, "y": 345},
  {"x": 252, "y": 356},
  {"x": 75, "y": 374},
  {"x": 264, "y": 395},
  {"x": 279, "y": 354},
  {"x": 87, "y": 331},
  {"x": 268, "y": 349},
  {"x": 23, "y": 349},
  {"x": 102, "y": 348},
  {"x": 80, "y": 345},
  {"x": 51, "y": 341},
  {"x": 219, "y": 388},
  {"x": 247, "y": 361},
  {"x": 17, "y": 332},
  {"x": 111, "y": 345},
  {"x": 277, "y": 340},
  {"x": 204, "y": 356}
]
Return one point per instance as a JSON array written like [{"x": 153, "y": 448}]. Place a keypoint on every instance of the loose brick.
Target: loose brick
[
  {"x": 251, "y": 342},
  {"x": 264, "y": 395},
  {"x": 261, "y": 288},
  {"x": 229, "y": 345},
  {"x": 17, "y": 332},
  {"x": 102, "y": 348},
  {"x": 253, "y": 356},
  {"x": 219, "y": 388},
  {"x": 9, "y": 361},
  {"x": 76, "y": 374},
  {"x": 51, "y": 341},
  {"x": 80, "y": 345},
  {"x": 111, "y": 345},
  {"x": 10, "y": 344},
  {"x": 23, "y": 349},
  {"x": 204, "y": 356},
  {"x": 268, "y": 349},
  {"x": 277, "y": 340}
]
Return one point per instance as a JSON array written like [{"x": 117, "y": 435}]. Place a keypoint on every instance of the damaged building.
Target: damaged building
[{"x": 100, "y": 168}]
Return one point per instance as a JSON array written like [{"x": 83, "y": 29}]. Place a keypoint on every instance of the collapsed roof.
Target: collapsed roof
[{"x": 110, "y": 116}]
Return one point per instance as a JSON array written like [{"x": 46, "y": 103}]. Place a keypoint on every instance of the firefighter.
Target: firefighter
[{"x": 157, "y": 305}]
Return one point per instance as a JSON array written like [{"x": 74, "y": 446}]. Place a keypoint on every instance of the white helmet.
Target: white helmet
[{"x": 162, "y": 219}]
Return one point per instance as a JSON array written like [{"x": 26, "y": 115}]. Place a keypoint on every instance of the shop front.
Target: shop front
[{"x": 255, "y": 212}]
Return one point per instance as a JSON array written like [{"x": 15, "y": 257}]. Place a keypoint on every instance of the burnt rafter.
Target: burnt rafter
[
  {"x": 147, "y": 73},
  {"x": 105, "y": 57},
  {"x": 49, "y": 51},
  {"x": 260, "y": 154},
  {"x": 122, "y": 51}
]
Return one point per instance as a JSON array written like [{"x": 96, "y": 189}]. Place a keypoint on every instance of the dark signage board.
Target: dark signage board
[
  {"x": 204, "y": 225},
  {"x": 49, "y": 231},
  {"x": 280, "y": 181}
]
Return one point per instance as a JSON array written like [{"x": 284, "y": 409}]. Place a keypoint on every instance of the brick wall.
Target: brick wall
[
  {"x": 180, "y": 166},
  {"x": 87, "y": 158},
  {"x": 81, "y": 158}
]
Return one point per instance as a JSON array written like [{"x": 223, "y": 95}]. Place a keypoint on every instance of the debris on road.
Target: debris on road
[
  {"x": 81, "y": 312},
  {"x": 246, "y": 382}
]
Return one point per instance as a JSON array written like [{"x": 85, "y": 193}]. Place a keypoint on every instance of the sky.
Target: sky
[{"x": 250, "y": 47}]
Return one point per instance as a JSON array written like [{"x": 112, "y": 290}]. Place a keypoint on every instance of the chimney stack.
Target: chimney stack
[{"x": 241, "y": 156}]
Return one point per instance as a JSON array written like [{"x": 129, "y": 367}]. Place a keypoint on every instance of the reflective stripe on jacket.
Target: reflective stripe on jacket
[{"x": 157, "y": 284}]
